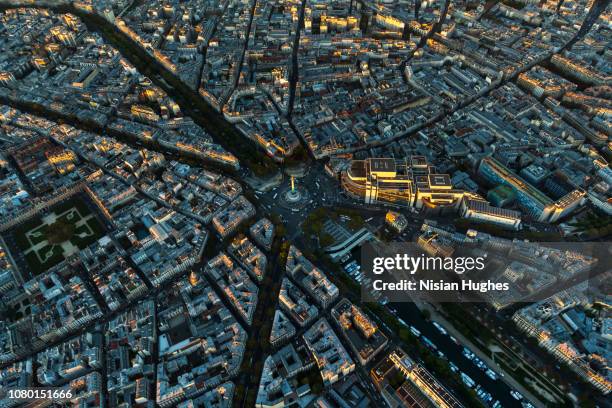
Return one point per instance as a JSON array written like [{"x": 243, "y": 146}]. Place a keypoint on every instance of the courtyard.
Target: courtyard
[{"x": 57, "y": 233}]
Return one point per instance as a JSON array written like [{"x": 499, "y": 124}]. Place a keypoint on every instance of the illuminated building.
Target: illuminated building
[
  {"x": 39, "y": 63},
  {"x": 530, "y": 199},
  {"x": 389, "y": 22},
  {"x": 396, "y": 220},
  {"x": 481, "y": 211},
  {"x": 86, "y": 77},
  {"x": 7, "y": 79},
  {"x": 332, "y": 359},
  {"x": 359, "y": 330},
  {"x": 193, "y": 278},
  {"x": 63, "y": 161},
  {"x": 577, "y": 71},
  {"x": 567, "y": 204},
  {"x": 144, "y": 112},
  {"x": 227, "y": 221},
  {"x": 63, "y": 36},
  {"x": 365, "y": 325},
  {"x": 420, "y": 388},
  {"x": 435, "y": 245},
  {"x": 409, "y": 183}
]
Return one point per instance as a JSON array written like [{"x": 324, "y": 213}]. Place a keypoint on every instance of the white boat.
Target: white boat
[
  {"x": 440, "y": 328},
  {"x": 491, "y": 374},
  {"x": 467, "y": 380},
  {"x": 486, "y": 396},
  {"x": 467, "y": 353},
  {"x": 415, "y": 331},
  {"x": 516, "y": 395},
  {"x": 429, "y": 343},
  {"x": 479, "y": 363}
]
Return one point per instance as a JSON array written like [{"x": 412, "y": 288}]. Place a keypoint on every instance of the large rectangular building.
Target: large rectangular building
[
  {"x": 411, "y": 182},
  {"x": 479, "y": 210},
  {"x": 530, "y": 199}
]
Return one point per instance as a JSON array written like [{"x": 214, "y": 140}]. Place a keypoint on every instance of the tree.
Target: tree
[
  {"x": 281, "y": 231},
  {"x": 356, "y": 222},
  {"x": 59, "y": 232},
  {"x": 406, "y": 336},
  {"x": 326, "y": 240}
]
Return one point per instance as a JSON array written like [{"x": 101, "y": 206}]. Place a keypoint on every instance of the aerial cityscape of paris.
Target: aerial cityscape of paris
[{"x": 305, "y": 203}]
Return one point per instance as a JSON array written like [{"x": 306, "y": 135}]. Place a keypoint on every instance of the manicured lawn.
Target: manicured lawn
[{"x": 63, "y": 229}]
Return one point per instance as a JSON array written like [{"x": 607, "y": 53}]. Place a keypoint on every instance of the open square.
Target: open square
[{"x": 54, "y": 233}]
